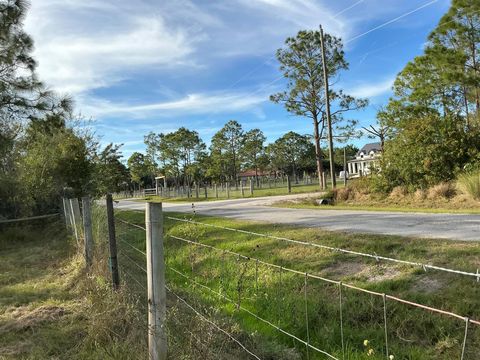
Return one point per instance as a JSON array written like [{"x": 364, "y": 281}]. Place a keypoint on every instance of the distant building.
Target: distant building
[
  {"x": 250, "y": 173},
  {"x": 365, "y": 160}
]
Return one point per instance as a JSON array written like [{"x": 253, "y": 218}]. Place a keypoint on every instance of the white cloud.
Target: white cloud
[
  {"x": 368, "y": 90},
  {"x": 76, "y": 56},
  {"x": 198, "y": 103}
]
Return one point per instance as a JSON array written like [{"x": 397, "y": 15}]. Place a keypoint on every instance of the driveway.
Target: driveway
[{"x": 421, "y": 225}]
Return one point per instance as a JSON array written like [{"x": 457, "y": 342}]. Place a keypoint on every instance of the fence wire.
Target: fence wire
[
  {"x": 237, "y": 302},
  {"x": 350, "y": 252},
  {"x": 122, "y": 238}
]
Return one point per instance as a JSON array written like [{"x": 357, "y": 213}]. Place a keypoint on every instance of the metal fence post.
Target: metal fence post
[
  {"x": 75, "y": 211},
  {"x": 112, "y": 243},
  {"x": 157, "y": 337},
  {"x": 66, "y": 213},
  {"x": 87, "y": 230}
]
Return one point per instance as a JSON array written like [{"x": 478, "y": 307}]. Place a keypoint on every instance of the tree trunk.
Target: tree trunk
[{"x": 318, "y": 153}]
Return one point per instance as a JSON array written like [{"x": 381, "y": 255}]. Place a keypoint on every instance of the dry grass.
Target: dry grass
[{"x": 445, "y": 190}]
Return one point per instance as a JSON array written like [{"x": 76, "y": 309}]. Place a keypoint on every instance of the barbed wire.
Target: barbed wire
[{"x": 335, "y": 249}]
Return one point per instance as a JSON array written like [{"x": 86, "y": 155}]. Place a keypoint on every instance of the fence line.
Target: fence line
[
  {"x": 353, "y": 287},
  {"x": 29, "y": 218},
  {"x": 331, "y": 248},
  {"x": 130, "y": 258},
  {"x": 350, "y": 286}
]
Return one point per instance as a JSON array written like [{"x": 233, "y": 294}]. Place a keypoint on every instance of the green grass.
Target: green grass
[
  {"x": 388, "y": 208},
  {"x": 413, "y": 333}
]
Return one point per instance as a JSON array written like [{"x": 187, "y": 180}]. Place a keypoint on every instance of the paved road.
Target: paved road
[{"x": 446, "y": 226}]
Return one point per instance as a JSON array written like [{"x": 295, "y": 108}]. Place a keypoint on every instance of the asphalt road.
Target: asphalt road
[{"x": 421, "y": 225}]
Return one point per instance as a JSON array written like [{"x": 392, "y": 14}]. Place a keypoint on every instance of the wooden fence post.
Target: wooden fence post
[
  {"x": 157, "y": 337},
  {"x": 251, "y": 186},
  {"x": 228, "y": 190},
  {"x": 289, "y": 184},
  {"x": 242, "y": 189},
  {"x": 216, "y": 191},
  {"x": 196, "y": 190},
  {"x": 87, "y": 230},
  {"x": 112, "y": 241}
]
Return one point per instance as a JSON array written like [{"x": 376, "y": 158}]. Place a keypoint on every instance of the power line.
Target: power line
[
  {"x": 352, "y": 39},
  {"x": 273, "y": 57},
  {"x": 391, "y": 21}
]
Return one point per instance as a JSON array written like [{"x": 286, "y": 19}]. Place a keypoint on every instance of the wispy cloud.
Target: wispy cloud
[
  {"x": 197, "y": 103},
  {"x": 75, "y": 57},
  {"x": 373, "y": 89}
]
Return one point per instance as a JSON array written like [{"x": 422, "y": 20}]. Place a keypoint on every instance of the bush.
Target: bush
[
  {"x": 470, "y": 183},
  {"x": 445, "y": 190}
]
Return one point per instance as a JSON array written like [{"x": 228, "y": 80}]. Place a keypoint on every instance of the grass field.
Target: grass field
[
  {"x": 278, "y": 296},
  {"x": 298, "y": 204}
]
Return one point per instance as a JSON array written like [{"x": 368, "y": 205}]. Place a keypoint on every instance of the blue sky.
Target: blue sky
[{"x": 150, "y": 65}]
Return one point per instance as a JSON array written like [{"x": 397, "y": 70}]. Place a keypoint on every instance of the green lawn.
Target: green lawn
[
  {"x": 394, "y": 208},
  {"x": 278, "y": 296}
]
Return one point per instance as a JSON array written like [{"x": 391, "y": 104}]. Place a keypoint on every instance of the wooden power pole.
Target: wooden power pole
[
  {"x": 157, "y": 298},
  {"x": 327, "y": 107}
]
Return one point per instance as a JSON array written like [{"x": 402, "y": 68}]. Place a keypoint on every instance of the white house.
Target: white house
[{"x": 365, "y": 160}]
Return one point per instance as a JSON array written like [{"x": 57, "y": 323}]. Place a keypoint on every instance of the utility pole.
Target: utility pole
[
  {"x": 327, "y": 107},
  {"x": 345, "y": 165}
]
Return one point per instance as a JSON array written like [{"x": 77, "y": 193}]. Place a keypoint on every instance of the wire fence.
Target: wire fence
[
  {"x": 244, "y": 187},
  {"x": 255, "y": 263},
  {"x": 317, "y": 316}
]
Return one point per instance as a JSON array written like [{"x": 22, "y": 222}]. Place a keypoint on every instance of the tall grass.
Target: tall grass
[{"x": 470, "y": 183}]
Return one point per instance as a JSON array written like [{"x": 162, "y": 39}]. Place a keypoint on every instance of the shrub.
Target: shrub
[
  {"x": 445, "y": 190},
  {"x": 470, "y": 183}
]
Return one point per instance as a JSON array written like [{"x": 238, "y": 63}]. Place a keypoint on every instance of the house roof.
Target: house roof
[
  {"x": 375, "y": 147},
  {"x": 251, "y": 172}
]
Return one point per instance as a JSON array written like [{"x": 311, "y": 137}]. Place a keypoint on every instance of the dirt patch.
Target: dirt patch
[
  {"x": 372, "y": 273},
  {"x": 22, "y": 318},
  {"x": 344, "y": 269},
  {"x": 428, "y": 285},
  {"x": 382, "y": 273}
]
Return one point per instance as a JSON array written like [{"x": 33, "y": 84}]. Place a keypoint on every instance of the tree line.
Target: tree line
[{"x": 183, "y": 157}]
